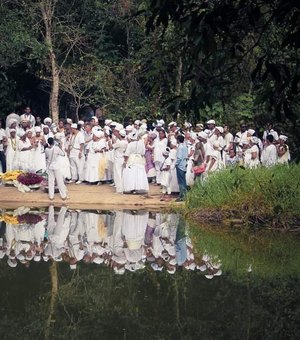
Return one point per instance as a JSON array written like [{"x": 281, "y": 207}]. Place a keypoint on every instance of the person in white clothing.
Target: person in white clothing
[
  {"x": 94, "y": 150},
  {"x": 160, "y": 145},
  {"x": 11, "y": 151},
  {"x": 251, "y": 154},
  {"x": 270, "y": 131},
  {"x": 119, "y": 148},
  {"x": 166, "y": 176},
  {"x": 24, "y": 152},
  {"x": 76, "y": 154},
  {"x": 269, "y": 153},
  {"x": 27, "y": 115},
  {"x": 54, "y": 156},
  {"x": 283, "y": 150},
  {"x": 134, "y": 173}
]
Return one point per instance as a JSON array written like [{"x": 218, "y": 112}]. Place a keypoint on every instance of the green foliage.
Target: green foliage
[{"x": 264, "y": 193}]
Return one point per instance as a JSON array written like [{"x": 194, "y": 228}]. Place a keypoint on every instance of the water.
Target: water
[{"x": 137, "y": 274}]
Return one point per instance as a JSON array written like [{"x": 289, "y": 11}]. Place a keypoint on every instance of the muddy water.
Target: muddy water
[{"x": 70, "y": 274}]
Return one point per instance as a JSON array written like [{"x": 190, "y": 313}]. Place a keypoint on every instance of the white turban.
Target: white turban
[
  {"x": 38, "y": 129},
  {"x": 129, "y": 128},
  {"x": 122, "y": 133},
  {"x": 211, "y": 121},
  {"x": 220, "y": 129},
  {"x": 202, "y": 134},
  {"x": 283, "y": 137},
  {"x": 74, "y": 126},
  {"x": 47, "y": 120},
  {"x": 251, "y": 132},
  {"x": 98, "y": 133}
]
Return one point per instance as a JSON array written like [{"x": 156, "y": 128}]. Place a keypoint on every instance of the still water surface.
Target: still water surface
[{"x": 71, "y": 274}]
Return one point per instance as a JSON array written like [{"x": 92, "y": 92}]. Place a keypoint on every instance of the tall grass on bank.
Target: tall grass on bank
[{"x": 265, "y": 192}]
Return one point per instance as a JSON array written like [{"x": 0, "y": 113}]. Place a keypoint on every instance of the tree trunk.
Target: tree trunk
[
  {"x": 178, "y": 84},
  {"x": 47, "y": 9}
]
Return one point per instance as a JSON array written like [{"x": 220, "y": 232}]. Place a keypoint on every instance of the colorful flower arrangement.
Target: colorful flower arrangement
[
  {"x": 28, "y": 218},
  {"x": 30, "y": 178},
  {"x": 10, "y": 176}
]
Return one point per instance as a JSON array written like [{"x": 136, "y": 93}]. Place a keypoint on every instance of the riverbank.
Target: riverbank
[
  {"x": 83, "y": 196},
  {"x": 262, "y": 197}
]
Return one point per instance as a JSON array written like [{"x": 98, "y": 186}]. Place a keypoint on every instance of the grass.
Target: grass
[{"x": 264, "y": 195}]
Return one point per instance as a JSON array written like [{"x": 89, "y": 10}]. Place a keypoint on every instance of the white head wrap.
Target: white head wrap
[
  {"x": 220, "y": 129},
  {"x": 129, "y": 128},
  {"x": 47, "y": 120},
  {"x": 108, "y": 122},
  {"x": 211, "y": 121},
  {"x": 283, "y": 137},
  {"x": 202, "y": 134},
  {"x": 122, "y": 133},
  {"x": 98, "y": 133}
]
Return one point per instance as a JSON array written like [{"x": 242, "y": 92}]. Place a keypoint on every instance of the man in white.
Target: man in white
[
  {"x": 270, "y": 131},
  {"x": 27, "y": 115},
  {"x": 54, "y": 161},
  {"x": 76, "y": 154},
  {"x": 269, "y": 153}
]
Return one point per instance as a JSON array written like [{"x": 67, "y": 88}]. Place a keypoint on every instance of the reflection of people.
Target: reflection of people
[
  {"x": 53, "y": 158},
  {"x": 180, "y": 243}
]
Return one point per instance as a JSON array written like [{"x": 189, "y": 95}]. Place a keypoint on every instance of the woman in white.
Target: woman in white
[
  {"x": 39, "y": 160},
  {"x": 251, "y": 155},
  {"x": 119, "y": 148},
  {"x": 11, "y": 151},
  {"x": 174, "y": 182},
  {"x": 24, "y": 152},
  {"x": 134, "y": 173},
  {"x": 283, "y": 150},
  {"x": 94, "y": 150},
  {"x": 190, "y": 141},
  {"x": 160, "y": 145},
  {"x": 214, "y": 159}
]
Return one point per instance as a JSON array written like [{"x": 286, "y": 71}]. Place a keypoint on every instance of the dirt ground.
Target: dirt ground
[{"x": 84, "y": 196}]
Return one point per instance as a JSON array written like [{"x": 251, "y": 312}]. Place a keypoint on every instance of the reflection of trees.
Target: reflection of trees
[
  {"x": 54, "y": 292},
  {"x": 93, "y": 302}
]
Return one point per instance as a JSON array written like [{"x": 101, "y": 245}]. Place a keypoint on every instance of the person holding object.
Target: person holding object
[{"x": 54, "y": 155}]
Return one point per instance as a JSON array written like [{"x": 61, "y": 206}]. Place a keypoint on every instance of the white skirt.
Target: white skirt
[{"x": 135, "y": 178}]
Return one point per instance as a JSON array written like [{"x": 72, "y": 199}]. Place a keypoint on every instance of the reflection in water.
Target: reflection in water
[
  {"x": 43, "y": 298},
  {"x": 122, "y": 240}
]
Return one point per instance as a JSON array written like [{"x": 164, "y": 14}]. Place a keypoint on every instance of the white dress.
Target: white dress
[
  {"x": 269, "y": 155},
  {"x": 166, "y": 176},
  {"x": 91, "y": 173},
  {"x": 119, "y": 149},
  {"x": 159, "y": 147},
  {"x": 24, "y": 157},
  {"x": 134, "y": 175},
  {"x": 189, "y": 176},
  {"x": 39, "y": 159},
  {"x": 12, "y": 154}
]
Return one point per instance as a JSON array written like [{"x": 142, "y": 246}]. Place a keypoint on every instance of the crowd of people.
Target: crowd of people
[
  {"x": 122, "y": 240},
  {"x": 132, "y": 155}
]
